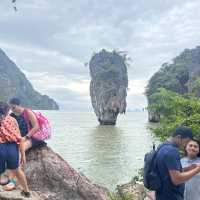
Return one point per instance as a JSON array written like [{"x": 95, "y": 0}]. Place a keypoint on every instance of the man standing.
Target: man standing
[{"x": 169, "y": 166}]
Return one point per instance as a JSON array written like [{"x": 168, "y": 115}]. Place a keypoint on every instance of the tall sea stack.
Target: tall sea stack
[{"x": 108, "y": 86}]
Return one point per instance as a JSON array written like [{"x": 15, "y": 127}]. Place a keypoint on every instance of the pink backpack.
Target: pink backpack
[{"x": 44, "y": 132}]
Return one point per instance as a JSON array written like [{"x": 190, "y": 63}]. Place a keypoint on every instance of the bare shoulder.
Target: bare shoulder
[{"x": 30, "y": 112}]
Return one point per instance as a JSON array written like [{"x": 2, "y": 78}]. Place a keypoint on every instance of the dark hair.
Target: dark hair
[
  {"x": 183, "y": 131},
  {"x": 4, "y": 108},
  {"x": 15, "y": 101},
  {"x": 194, "y": 140}
]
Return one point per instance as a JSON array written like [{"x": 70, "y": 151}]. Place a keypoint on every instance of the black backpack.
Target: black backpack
[{"x": 152, "y": 179}]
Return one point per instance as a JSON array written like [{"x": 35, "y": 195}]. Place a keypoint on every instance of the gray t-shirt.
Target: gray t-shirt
[{"x": 192, "y": 187}]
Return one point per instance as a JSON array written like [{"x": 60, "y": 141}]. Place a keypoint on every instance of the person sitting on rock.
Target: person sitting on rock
[
  {"x": 12, "y": 148},
  {"x": 18, "y": 114}
]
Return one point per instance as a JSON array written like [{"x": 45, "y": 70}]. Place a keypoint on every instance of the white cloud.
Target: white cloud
[
  {"x": 81, "y": 87},
  {"x": 51, "y": 40},
  {"x": 137, "y": 86}
]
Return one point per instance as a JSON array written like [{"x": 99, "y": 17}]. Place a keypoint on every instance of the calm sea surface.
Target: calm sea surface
[{"x": 107, "y": 155}]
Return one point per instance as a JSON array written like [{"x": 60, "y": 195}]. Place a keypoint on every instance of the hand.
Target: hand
[
  {"x": 198, "y": 166},
  {"x": 192, "y": 166},
  {"x": 23, "y": 139}
]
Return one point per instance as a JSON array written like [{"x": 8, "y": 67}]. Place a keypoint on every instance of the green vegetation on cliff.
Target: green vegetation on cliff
[
  {"x": 14, "y": 83},
  {"x": 182, "y": 76},
  {"x": 175, "y": 110},
  {"x": 173, "y": 94}
]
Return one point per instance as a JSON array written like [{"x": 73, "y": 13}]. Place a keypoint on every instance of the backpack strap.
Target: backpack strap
[
  {"x": 158, "y": 149},
  {"x": 156, "y": 152},
  {"x": 160, "y": 146}
]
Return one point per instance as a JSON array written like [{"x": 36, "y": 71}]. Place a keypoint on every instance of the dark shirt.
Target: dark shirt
[
  {"x": 167, "y": 159},
  {"x": 21, "y": 123},
  {"x": 23, "y": 127}
]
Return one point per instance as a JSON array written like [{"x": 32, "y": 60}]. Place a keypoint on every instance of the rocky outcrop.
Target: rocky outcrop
[
  {"x": 153, "y": 117},
  {"x": 13, "y": 83},
  {"x": 54, "y": 179},
  {"x": 181, "y": 76},
  {"x": 15, "y": 195},
  {"x": 108, "y": 86},
  {"x": 135, "y": 191}
]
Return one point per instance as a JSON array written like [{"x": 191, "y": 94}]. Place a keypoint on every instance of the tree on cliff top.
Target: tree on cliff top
[
  {"x": 180, "y": 76},
  {"x": 175, "y": 110}
]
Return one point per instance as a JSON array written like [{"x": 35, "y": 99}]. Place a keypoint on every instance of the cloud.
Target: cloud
[
  {"x": 44, "y": 82},
  {"x": 36, "y": 59},
  {"x": 51, "y": 40},
  {"x": 137, "y": 86},
  {"x": 68, "y": 93}
]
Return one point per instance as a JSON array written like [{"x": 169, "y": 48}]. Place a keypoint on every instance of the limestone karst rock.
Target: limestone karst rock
[
  {"x": 108, "y": 86},
  {"x": 181, "y": 76},
  {"x": 14, "y": 83}
]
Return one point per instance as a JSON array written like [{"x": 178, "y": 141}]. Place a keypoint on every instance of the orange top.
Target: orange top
[{"x": 9, "y": 130}]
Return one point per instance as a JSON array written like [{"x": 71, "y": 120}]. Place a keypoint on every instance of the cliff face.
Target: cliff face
[
  {"x": 108, "y": 86},
  {"x": 182, "y": 76},
  {"x": 13, "y": 83}
]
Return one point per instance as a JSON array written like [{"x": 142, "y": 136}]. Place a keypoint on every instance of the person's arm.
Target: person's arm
[
  {"x": 34, "y": 123},
  {"x": 20, "y": 142},
  {"x": 178, "y": 177},
  {"x": 186, "y": 169},
  {"x": 173, "y": 164},
  {"x": 22, "y": 152}
]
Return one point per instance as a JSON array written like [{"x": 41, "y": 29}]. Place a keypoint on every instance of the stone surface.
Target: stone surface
[
  {"x": 53, "y": 178},
  {"x": 108, "y": 86},
  {"x": 15, "y": 195},
  {"x": 136, "y": 190},
  {"x": 153, "y": 117},
  {"x": 13, "y": 83}
]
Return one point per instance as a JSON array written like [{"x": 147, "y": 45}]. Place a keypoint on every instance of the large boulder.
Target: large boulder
[
  {"x": 108, "y": 86},
  {"x": 54, "y": 179}
]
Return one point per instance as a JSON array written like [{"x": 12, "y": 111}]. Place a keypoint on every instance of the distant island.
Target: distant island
[{"x": 13, "y": 83}]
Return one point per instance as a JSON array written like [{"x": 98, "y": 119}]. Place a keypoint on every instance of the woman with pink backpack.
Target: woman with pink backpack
[
  {"x": 34, "y": 129},
  {"x": 27, "y": 121}
]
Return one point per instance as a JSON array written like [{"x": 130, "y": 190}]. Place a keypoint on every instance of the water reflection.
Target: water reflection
[{"x": 105, "y": 149}]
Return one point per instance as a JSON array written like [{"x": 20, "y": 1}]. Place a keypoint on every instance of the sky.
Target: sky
[{"x": 51, "y": 40}]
